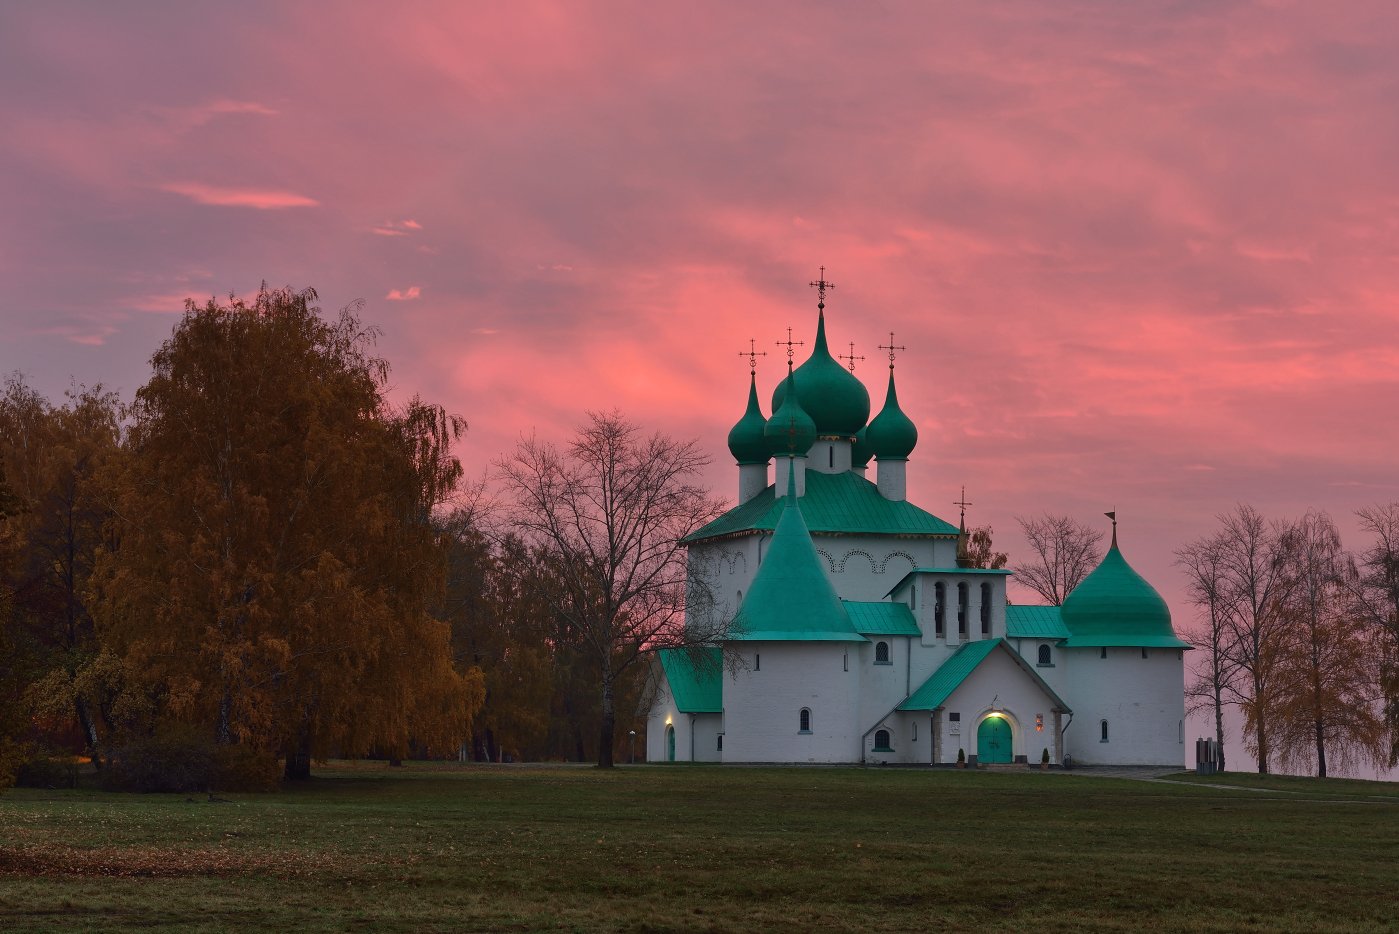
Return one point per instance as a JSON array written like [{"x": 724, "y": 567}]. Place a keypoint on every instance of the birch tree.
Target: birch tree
[{"x": 1203, "y": 563}]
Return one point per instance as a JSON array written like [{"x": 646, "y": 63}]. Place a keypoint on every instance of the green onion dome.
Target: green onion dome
[
  {"x": 1114, "y": 605},
  {"x": 837, "y": 402},
  {"x": 892, "y": 435},
  {"x": 746, "y": 440},
  {"x": 790, "y": 430},
  {"x": 860, "y": 451}
]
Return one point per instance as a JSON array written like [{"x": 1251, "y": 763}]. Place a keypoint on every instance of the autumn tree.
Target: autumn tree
[
  {"x": 1203, "y": 563},
  {"x": 980, "y": 551},
  {"x": 1063, "y": 552},
  {"x": 58, "y": 457},
  {"x": 11, "y": 678},
  {"x": 277, "y": 555},
  {"x": 612, "y": 509},
  {"x": 1327, "y": 711},
  {"x": 1375, "y": 592}
]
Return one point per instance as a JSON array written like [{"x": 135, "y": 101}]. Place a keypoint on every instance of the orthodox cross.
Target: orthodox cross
[
  {"x": 891, "y": 347},
  {"x": 821, "y": 285},
  {"x": 753, "y": 353},
  {"x": 851, "y": 357},
  {"x": 789, "y": 344},
  {"x": 963, "y": 501}
]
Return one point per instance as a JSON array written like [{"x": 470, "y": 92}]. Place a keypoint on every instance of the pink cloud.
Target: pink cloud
[
  {"x": 260, "y": 198},
  {"x": 406, "y": 295}
]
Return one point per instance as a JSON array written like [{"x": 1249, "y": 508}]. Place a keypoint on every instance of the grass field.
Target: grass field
[{"x": 659, "y": 848}]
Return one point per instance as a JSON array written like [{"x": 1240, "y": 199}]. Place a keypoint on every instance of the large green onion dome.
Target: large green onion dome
[
  {"x": 1115, "y": 606},
  {"x": 892, "y": 435},
  {"x": 838, "y": 403},
  {"x": 860, "y": 451},
  {"x": 790, "y": 430},
  {"x": 746, "y": 440}
]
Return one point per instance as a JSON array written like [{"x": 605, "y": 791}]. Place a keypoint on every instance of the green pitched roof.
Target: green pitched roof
[
  {"x": 1035, "y": 622},
  {"x": 951, "y": 673},
  {"x": 791, "y": 598},
  {"x": 840, "y": 502},
  {"x": 1114, "y": 605},
  {"x": 881, "y": 619},
  {"x": 695, "y": 678}
]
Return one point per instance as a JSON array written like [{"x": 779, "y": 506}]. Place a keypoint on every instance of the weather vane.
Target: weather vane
[
  {"x": 821, "y": 285},
  {"x": 789, "y": 344},
  {"x": 851, "y": 357},
  {"x": 891, "y": 347},
  {"x": 753, "y": 353}
]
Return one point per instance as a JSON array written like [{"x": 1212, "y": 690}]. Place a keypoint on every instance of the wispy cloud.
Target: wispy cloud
[
  {"x": 404, "y": 295},
  {"x": 396, "y": 228},
  {"x": 263, "y": 199}
]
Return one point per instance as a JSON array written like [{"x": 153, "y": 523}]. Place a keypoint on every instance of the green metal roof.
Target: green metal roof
[
  {"x": 892, "y": 434},
  {"x": 882, "y": 618},
  {"x": 1034, "y": 622},
  {"x": 1115, "y": 606},
  {"x": 696, "y": 678},
  {"x": 951, "y": 673},
  {"x": 791, "y": 598},
  {"x": 837, "y": 401},
  {"x": 747, "y": 443},
  {"x": 791, "y": 429},
  {"x": 840, "y": 502}
]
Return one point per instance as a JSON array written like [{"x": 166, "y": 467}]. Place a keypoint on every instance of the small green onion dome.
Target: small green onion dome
[
  {"x": 790, "y": 430},
  {"x": 1114, "y": 605},
  {"x": 746, "y": 440},
  {"x": 860, "y": 451},
  {"x": 892, "y": 434},
  {"x": 837, "y": 402}
]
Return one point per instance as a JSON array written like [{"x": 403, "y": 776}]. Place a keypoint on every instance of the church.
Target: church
[{"x": 853, "y": 628}]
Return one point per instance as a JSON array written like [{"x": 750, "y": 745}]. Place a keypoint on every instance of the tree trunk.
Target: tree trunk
[
  {"x": 1219, "y": 724},
  {"x": 89, "y": 731},
  {"x": 298, "y": 761},
  {"x": 609, "y": 720},
  {"x": 1320, "y": 748}
]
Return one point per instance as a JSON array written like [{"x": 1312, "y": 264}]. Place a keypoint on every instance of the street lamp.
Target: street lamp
[{"x": 632, "y": 734}]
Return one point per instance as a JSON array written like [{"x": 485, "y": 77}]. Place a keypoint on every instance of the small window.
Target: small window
[
  {"x": 881, "y": 653},
  {"x": 845, "y": 662},
  {"x": 1103, "y": 726},
  {"x": 1103, "y": 652},
  {"x": 914, "y": 737},
  {"x": 804, "y": 721},
  {"x": 720, "y": 745},
  {"x": 913, "y": 597},
  {"x": 881, "y": 741},
  {"x": 963, "y": 597},
  {"x": 986, "y": 609},
  {"x": 939, "y": 608},
  {"x": 757, "y": 662},
  {"x": 740, "y": 597},
  {"x": 954, "y": 717},
  {"x": 1145, "y": 652},
  {"x": 832, "y": 452},
  {"x": 1045, "y": 656}
]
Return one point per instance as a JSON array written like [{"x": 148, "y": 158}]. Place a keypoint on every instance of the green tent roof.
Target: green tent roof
[
  {"x": 791, "y": 598},
  {"x": 1115, "y": 606},
  {"x": 695, "y": 678},
  {"x": 950, "y": 674},
  {"x": 881, "y": 619},
  {"x": 840, "y": 502},
  {"x": 1034, "y": 622}
]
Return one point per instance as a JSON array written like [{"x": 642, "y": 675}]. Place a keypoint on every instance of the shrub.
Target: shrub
[
  {"x": 176, "y": 758},
  {"x": 242, "y": 768},
  {"x": 46, "y": 771}
]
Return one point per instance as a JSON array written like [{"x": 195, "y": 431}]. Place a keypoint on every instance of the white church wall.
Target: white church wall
[
  {"x": 706, "y": 730},
  {"x": 1142, "y": 700},
  {"x": 763, "y": 701},
  {"x": 882, "y": 686},
  {"x": 1016, "y": 696}
]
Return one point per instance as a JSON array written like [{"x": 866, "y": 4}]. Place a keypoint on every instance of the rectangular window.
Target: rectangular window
[
  {"x": 962, "y": 601},
  {"x": 939, "y": 608},
  {"x": 1103, "y": 652},
  {"x": 757, "y": 662},
  {"x": 1144, "y": 652},
  {"x": 954, "y": 717},
  {"x": 845, "y": 662},
  {"x": 915, "y": 731},
  {"x": 720, "y": 745},
  {"x": 986, "y": 609}
]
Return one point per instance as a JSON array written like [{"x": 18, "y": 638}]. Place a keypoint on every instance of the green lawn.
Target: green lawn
[{"x": 653, "y": 848}]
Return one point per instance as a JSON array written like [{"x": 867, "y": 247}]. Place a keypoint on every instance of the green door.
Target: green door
[
  {"x": 670, "y": 744},
  {"x": 993, "y": 741}
]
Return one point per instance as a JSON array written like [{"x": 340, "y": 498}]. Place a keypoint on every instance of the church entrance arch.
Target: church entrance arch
[
  {"x": 993, "y": 741},
  {"x": 670, "y": 744}
]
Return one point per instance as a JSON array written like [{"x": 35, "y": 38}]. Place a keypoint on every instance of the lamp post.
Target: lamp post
[{"x": 632, "y": 734}]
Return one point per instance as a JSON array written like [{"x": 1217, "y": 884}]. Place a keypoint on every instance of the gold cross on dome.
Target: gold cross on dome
[
  {"x": 821, "y": 285},
  {"x": 964, "y": 504},
  {"x": 851, "y": 357},
  {"x": 891, "y": 347},
  {"x": 752, "y": 353}
]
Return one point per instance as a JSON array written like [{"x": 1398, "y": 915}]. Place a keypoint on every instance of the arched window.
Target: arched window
[
  {"x": 939, "y": 608},
  {"x": 986, "y": 609},
  {"x": 1044, "y": 655},
  {"x": 804, "y": 721},
  {"x": 832, "y": 452},
  {"x": 881, "y": 653},
  {"x": 1103, "y": 725},
  {"x": 881, "y": 741},
  {"x": 962, "y": 598}
]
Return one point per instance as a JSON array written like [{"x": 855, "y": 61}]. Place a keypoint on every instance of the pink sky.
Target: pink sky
[{"x": 1144, "y": 257}]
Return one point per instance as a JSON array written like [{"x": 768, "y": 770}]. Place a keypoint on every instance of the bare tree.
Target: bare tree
[
  {"x": 1065, "y": 551},
  {"x": 613, "y": 508},
  {"x": 1375, "y": 590},
  {"x": 1203, "y": 563},
  {"x": 1254, "y": 586}
]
